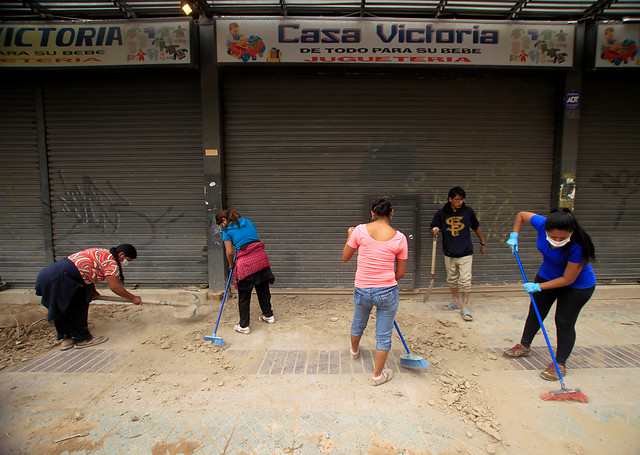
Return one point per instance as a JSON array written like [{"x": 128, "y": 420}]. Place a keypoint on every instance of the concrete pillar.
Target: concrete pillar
[
  {"x": 43, "y": 166},
  {"x": 568, "y": 132},
  {"x": 213, "y": 154}
]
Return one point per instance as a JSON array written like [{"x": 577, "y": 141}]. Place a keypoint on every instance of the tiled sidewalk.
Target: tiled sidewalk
[{"x": 582, "y": 357}]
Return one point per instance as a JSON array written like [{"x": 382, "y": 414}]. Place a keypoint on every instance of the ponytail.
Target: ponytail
[
  {"x": 128, "y": 250},
  {"x": 382, "y": 207},
  {"x": 231, "y": 215}
]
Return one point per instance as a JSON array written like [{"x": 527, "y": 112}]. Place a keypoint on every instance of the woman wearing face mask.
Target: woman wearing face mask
[
  {"x": 67, "y": 286},
  {"x": 565, "y": 275}
]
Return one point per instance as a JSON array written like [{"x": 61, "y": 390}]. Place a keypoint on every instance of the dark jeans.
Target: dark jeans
[
  {"x": 244, "y": 302},
  {"x": 570, "y": 303}
]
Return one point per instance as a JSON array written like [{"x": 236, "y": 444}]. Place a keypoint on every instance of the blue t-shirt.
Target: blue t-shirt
[
  {"x": 555, "y": 259},
  {"x": 240, "y": 234}
]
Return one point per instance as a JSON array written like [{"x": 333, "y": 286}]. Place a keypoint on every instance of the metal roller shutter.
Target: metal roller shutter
[
  {"x": 303, "y": 152},
  {"x": 22, "y": 252},
  {"x": 608, "y": 176},
  {"x": 126, "y": 167}
]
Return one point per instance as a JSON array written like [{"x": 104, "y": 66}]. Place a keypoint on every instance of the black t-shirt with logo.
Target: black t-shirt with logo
[{"x": 455, "y": 228}]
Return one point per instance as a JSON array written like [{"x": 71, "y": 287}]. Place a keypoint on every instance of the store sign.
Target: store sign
[
  {"x": 617, "y": 46},
  {"x": 530, "y": 44},
  {"x": 94, "y": 43}
]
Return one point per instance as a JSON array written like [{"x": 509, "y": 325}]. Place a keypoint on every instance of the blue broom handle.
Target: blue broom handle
[
  {"x": 224, "y": 297},
  {"x": 401, "y": 337},
  {"x": 535, "y": 307}
]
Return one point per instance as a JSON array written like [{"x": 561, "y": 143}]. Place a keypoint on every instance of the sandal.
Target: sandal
[
  {"x": 451, "y": 306},
  {"x": 385, "y": 377},
  {"x": 92, "y": 342},
  {"x": 67, "y": 343},
  {"x": 355, "y": 356},
  {"x": 466, "y": 315}
]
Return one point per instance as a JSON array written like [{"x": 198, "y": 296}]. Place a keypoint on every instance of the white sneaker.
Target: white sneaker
[
  {"x": 245, "y": 330},
  {"x": 268, "y": 320}
]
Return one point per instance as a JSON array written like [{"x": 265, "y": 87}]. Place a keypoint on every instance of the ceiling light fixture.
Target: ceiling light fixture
[{"x": 186, "y": 8}]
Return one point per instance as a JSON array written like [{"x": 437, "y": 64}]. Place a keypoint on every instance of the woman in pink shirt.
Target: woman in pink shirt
[{"x": 382, "y": 261}]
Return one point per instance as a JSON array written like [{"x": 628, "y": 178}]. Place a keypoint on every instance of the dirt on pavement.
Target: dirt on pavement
[{"x": 163, "y": 342}]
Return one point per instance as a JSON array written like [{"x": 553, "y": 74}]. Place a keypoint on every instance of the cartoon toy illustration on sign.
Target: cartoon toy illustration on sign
[
  {"x": 242, "y": 48},
  {"x": 251, "y": 49},
  {"x": 615, "y": 51},
  {"x": 274, "y": 55}
]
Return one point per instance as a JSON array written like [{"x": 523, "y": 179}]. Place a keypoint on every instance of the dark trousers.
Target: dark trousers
[
  {"x": 244, "y": 302},
  {"x": 66, "y": 297},
  {"x": 569, "y": 304},
  {"x": 74, "y": 323}
]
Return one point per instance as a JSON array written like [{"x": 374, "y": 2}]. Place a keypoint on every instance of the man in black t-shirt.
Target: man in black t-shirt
[{"x": 456, "y": 220}]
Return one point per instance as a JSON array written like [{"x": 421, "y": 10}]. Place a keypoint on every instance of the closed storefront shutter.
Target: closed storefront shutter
[
  {"x": 22, "y": 248},
  {"x": 305, "y": 152},
  {"x": 608, "y": 178},
  {"x": 125, "y": 157}
]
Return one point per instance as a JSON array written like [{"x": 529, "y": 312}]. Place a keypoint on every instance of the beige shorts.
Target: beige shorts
[{"x": 459, "y": 272}]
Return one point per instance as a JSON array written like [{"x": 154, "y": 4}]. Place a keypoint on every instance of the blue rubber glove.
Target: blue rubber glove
[
  {"x": 513, "y": 241},
  {"x": 531, "y": 287}
]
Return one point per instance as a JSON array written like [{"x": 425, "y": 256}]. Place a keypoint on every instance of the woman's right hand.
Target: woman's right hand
[
  {"x": 136, "y": 300},
  {"x": 513, "y": 241}
]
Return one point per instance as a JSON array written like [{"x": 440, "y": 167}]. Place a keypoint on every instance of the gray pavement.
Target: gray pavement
[{"x": 288, "y": 395}]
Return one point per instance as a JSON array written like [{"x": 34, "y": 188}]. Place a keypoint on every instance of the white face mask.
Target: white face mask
[
  {"x": 124, "y": 263},
  {"x": 560, "y": 244}
]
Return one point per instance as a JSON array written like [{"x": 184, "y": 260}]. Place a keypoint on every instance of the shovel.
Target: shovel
[
  {"x": 433, "y": 269},
  {"x": 122, "y": 300}
]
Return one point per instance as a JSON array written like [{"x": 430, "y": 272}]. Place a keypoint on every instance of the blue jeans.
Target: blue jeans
[{"x": 386, "y": 300}]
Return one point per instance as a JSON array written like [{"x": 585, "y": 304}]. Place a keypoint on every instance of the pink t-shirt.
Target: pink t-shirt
[{"x": 376, "y": 260}]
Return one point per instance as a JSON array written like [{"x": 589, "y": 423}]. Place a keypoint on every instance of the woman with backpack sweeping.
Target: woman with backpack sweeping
[{"x": 251, "y": 268}]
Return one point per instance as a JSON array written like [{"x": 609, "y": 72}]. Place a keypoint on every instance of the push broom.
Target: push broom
[
  {"x": 564, "y": 394},
  {"x": 408, "y": 360},
  {"x": 218, "y": 341}
]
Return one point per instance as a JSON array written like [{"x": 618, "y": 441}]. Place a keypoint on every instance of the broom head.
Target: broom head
[
  {"x": 413, "y": 362},
  {"x": 565, "y": 395},
  {"x": 217, "y": 341}
]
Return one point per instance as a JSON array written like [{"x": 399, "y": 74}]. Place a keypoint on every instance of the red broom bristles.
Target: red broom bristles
[{"x": 565, "y": 396}]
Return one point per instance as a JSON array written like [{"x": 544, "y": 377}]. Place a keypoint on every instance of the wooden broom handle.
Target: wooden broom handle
[
  {"x": 118, "y": 299},
  {"x": 433, "y": 256}
]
